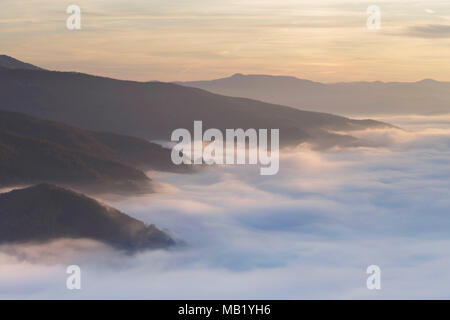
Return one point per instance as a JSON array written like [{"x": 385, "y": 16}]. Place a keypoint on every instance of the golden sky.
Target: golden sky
[{"x": 170, "y": 40}]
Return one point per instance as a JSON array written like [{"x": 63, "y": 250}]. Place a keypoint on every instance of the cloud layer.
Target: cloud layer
[{"x": 308, "y": 232}]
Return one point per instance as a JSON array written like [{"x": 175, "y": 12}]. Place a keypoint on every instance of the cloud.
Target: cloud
[
  {"x": 308, "y": 232},
  {"x": 430, "y": 31},
  {"x": 146, "y": 40},
  {"x": 52, "y": 252}
]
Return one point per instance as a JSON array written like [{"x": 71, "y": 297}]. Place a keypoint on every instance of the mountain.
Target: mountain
[
  {"x": 11, "y": 63},
  {"x": 153, "y": 110},
  {"x": 352, "y": 98},
  {"x": 25, "y": 160},
  {"x": 129, "y": 150},
  {"x": 46, "y": 212},
  {"x": 34, "y": 150}
]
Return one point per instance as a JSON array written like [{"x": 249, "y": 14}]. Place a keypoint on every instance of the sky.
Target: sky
[
  {"x": 309, "y": 232},
  {"x": 180, "y": 40}
]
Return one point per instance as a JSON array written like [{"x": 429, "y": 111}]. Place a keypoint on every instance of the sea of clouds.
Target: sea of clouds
[{"x": 308, "y": 232}]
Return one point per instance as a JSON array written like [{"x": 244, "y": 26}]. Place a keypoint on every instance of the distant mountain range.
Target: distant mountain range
[
  {"x": 153, "y": 110},
  {"x": 46, "y": 212},
  {"x": 351, "y": 98},
  {"x": 34, "y": 150}
]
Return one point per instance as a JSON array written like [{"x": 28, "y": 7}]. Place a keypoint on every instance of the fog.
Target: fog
[{"x": 308, "y": 232}]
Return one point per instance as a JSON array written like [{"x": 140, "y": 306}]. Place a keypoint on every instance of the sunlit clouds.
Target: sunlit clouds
[
  {"x": 308, "y": 232},
  {"x": 324, "y": 40}
]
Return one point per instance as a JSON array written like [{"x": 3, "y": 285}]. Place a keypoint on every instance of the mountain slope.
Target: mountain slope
[
  {"x": 47, "y": 212},
  {"x": 34, "y": 150},
  {"x": 26, "y": 160},
  {"x": 11, "y": 63},
  {"x": 353, "y": 98},
  {"x": 120, "y": 148},
  {"x": 154, "y": 110}
]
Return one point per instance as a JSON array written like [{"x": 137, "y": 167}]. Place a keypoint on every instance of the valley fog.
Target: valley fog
[{"x": 309, "y": 231}]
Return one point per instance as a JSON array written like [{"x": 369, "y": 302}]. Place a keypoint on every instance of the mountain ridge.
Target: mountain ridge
[
  {"x": 12, "y": 63},
  {"x": 47, "y": 212},
  {"x": 366, "y": 98},
  {"x": 33, "y": 150},
  {"x": 154, "y": 110}
]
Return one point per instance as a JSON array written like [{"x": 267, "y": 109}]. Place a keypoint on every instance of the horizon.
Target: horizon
[
  {"x": 327, "y": 41},
  {"x": 225, "y": 77}
]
